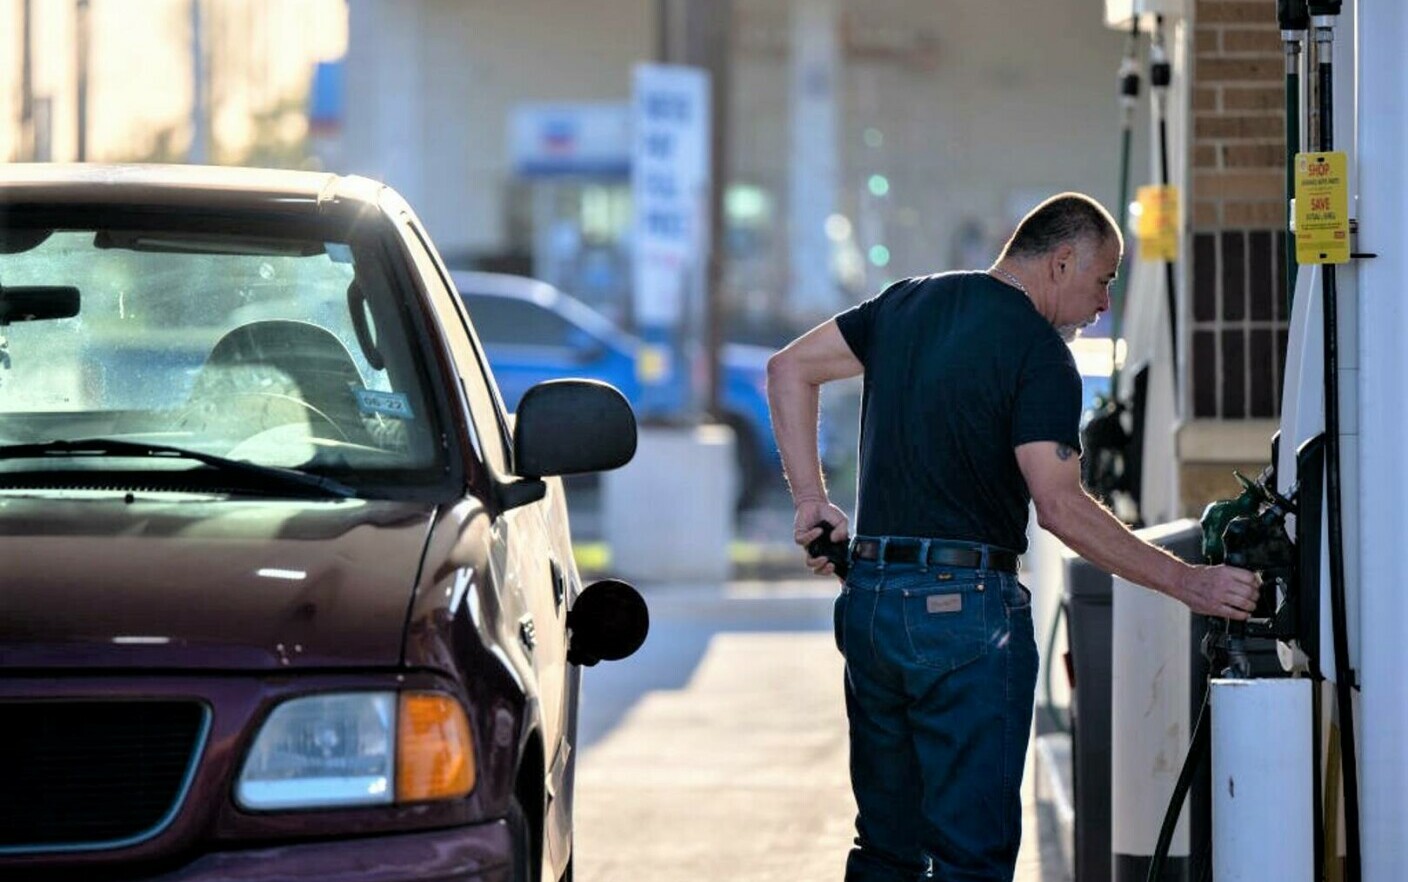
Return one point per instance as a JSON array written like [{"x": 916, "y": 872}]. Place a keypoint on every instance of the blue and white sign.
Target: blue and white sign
[
  {"x": 547, "y": 140},
  {"x": 670, "y": 188}
]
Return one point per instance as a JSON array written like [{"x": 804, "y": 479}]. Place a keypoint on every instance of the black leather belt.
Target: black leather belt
[{"x": 941, "y": 554}]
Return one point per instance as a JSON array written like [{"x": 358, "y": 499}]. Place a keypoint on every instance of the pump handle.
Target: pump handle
[{"x": 1293, "y": 15}]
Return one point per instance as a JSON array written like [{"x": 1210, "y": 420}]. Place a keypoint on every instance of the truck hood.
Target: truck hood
[{"x": 166, "y": 580}]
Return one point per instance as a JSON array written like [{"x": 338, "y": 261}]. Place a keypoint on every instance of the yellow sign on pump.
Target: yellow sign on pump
[
  {"x": 1157, "y": 223},
  {"x": 1322, "y": 208}
]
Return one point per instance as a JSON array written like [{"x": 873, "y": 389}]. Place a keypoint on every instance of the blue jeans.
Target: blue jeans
[{"x": 941, "y": 667}]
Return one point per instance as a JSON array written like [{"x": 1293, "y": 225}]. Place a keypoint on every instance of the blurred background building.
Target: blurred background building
[
  {"x": 865, "y": 142},
  {"x": 221, "y": 81}
]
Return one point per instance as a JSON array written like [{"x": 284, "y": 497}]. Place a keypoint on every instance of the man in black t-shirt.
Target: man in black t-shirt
[{"x": 970, "y": 411}]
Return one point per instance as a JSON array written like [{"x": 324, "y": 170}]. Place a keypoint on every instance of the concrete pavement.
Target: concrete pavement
[{"x": 740, "y": 773}]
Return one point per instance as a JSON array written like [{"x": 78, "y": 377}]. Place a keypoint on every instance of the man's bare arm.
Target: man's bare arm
[
  {"x": 795, "y": 376},
  {"x": 1052, "y": 472}
]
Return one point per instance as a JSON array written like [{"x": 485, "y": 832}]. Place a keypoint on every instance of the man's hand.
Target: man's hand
[
  {"x": 1223, "y": 591},
  {"x": 795, "y": 376},
  {"x": 1052, "y": 472},
  {"x": 811, "y": 512}
]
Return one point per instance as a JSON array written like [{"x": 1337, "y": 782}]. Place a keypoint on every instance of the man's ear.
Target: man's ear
[{"x": 1062, "y": 262}]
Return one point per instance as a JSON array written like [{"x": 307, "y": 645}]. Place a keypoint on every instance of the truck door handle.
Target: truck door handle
[{"x": 559, "y": 585}]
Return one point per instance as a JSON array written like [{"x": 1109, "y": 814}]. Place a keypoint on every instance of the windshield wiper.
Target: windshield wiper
[{"x": 264, "y": 475}]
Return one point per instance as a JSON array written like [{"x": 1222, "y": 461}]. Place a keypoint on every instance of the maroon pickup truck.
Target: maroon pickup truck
[{"x": 284, "y": 592}]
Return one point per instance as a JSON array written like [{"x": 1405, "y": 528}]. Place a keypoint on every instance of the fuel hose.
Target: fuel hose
[
  {"x": 1324, "y": 20},
  {"x": 1129, "y": 102},
  {"x": 1160, "y": 76}
]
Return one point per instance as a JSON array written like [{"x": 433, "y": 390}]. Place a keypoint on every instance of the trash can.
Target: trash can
[{"x": 1089, "y": 609}]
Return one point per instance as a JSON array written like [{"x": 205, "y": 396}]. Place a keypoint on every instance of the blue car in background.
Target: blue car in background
[
  {"x": 532, "y": 332},
  {"x": 1093, "y": 357}
]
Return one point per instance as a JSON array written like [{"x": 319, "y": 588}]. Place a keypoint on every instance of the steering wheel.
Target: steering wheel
[{"x": 256, "y": 411}]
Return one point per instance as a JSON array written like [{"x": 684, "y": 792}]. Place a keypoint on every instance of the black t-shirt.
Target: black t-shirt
[{"x": 960, "y": 369}]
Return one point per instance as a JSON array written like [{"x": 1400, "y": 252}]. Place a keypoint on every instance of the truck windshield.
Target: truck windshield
[{"x": 283, "y": 352}]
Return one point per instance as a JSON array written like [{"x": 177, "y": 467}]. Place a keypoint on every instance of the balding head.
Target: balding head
[{"x": 1072, "y": 218}]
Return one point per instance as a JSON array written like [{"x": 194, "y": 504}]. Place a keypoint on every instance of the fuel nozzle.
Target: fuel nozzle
[
  {"x": 1293, "y": 15},
  {"x": 1261, "y": 542},
  {"x": 1294, "y": 18},
  {"x": 1129, "y": 72},
  {"x": 1218, "y": 515},
  {"x": 1160, "y": 70},
  {"x": 1250, "y": 532},
  {"x": 1262, "y": 545},
  {"x": 1323, "y": 14}
]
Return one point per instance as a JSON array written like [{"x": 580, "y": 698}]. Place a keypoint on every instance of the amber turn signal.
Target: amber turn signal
[{"x": 434, "y": 751}]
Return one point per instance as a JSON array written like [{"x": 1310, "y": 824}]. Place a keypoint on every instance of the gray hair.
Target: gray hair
[{"x": 1065, "y": 217}]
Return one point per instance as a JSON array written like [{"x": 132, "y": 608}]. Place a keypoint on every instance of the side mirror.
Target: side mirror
[
  {"x": 566, "y": 427},
  {"x": 609, "y": 621}
]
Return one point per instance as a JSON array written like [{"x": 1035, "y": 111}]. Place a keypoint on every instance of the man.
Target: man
[{"x": 971, "y": 409}]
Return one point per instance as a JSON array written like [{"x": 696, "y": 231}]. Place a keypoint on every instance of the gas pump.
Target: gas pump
[
  {"x": 1135, "y": 427},
  {"x": 1317, "y": 481},
  {"x": 1110, "y": 464},
  {"x": 1325, "y": 525},
  {"x": 1293, "y": 526}
]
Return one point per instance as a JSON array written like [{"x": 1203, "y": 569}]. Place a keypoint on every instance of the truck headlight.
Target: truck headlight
[{"x": 359, "y": 749}]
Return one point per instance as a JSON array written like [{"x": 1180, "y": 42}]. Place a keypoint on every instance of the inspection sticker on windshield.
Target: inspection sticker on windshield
[{"x": 392, "y": 404}]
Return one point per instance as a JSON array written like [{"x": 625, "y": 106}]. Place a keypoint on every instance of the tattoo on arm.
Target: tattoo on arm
[{"x": 1064, "y": 452}]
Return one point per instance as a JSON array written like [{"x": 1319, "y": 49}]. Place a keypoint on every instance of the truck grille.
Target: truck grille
[{"x": 93, "y": 774}]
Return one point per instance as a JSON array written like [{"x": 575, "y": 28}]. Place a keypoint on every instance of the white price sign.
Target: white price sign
[{"x": 670, "y": 187}]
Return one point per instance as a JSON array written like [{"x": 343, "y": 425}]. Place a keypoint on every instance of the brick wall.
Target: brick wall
[
  {"x": 1238, "y": 210},
  {"x": 1237, "y": 213},
  {"x": 1238, "y": 119}
]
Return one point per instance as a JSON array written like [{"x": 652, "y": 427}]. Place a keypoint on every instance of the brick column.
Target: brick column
[{"x": 1237, "y": 211}]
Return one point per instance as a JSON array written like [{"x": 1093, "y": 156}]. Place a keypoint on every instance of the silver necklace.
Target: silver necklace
[{"x": 1010, "y": 279}]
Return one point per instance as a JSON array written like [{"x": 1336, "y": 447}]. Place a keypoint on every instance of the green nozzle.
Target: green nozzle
[{"x": 1219, "y": 514}]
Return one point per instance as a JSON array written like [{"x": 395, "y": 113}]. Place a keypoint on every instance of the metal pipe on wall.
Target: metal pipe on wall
[
  {"x": 199, "y": 152},
  {"x": 1293, "y": 17},
  {"x": 81, "y": 13},
  {"x": 698, "y": 33},
  {"x": 814, "y": 158},
  {"x": 26, "y": 146}
]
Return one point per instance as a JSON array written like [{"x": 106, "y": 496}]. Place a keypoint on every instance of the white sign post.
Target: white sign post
[
  {"x": 670, "y": 187},
  {"x": 670, "y": 179}
]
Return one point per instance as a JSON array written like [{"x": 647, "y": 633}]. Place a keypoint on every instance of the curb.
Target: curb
[{"x": 751, "y": 561}]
